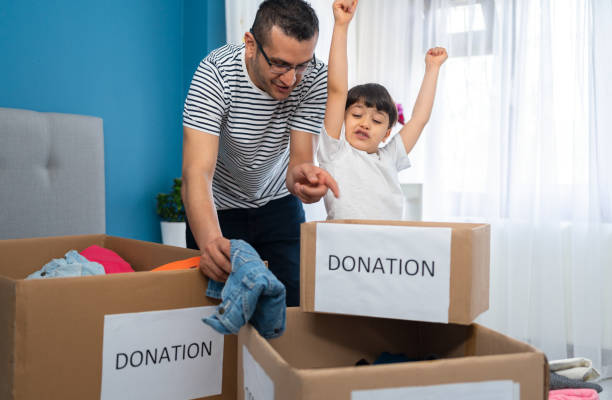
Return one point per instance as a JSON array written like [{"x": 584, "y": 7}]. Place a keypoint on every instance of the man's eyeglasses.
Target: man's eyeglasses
[{"x": 280, "y": 69}]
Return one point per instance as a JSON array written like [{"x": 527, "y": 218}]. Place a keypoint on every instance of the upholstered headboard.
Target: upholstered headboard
[{"x": 51, "y": 174}]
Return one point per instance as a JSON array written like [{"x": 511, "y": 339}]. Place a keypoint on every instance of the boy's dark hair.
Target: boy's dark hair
[
  {"x": 296, "y": 18},
  {"x": 373, "y": 95}
]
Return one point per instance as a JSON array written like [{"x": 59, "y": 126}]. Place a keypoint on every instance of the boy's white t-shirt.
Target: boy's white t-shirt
[{"x": 369, "y": 183}]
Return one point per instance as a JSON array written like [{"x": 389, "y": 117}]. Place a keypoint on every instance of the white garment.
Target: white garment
[
  {"x": 369, "y": 185},
  {"x": 579, "y": 368}
]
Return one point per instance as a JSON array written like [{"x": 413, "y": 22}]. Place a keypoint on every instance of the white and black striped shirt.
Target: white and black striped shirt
[{"x": 253, "y": 127}]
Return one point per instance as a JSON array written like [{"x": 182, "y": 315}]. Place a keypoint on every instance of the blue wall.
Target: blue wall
[
  {"x": 123, "y": 61},
  {"x": 200, "y": 38}
]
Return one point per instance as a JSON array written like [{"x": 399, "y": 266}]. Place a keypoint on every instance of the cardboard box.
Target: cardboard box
[
  {"x": 421, "y": 271},
  {"x": 315, "y": 360},
  {"x": 52, "y": 331}
]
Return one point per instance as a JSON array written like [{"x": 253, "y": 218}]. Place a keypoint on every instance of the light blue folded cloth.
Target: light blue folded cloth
[{"x": 73, "y": 264}]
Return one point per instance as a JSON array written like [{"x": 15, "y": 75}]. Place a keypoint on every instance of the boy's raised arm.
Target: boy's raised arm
[
  {"x": 337, "y": 70},
  {"x": 424, "y": 103}
]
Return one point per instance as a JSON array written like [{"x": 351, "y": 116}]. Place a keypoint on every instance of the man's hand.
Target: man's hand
[
  {"x": 215, "y": 259},
  {"x": 309, "y": 182},
  {"x": 435, "y": 56},
  {"x": 344, "y": 11}
]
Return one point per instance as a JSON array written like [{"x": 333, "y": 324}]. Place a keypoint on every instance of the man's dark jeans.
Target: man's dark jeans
[{"x": 274, "y": 231}]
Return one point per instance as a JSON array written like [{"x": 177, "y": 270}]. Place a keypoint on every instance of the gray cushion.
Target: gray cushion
[{"x": 51, "y": 174}]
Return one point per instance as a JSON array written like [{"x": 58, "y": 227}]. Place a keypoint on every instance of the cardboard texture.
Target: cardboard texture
[
  {"x": 469, "y": 273},
  {"x": 51, "y": 330},
  {"x": 316, "y": 356}
]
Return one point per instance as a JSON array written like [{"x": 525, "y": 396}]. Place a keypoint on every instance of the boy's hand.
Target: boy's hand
[
  {"x": 344, "y": 11},
  {"x": 309, "y": 182},
  {"x": 435, "y": 56}
]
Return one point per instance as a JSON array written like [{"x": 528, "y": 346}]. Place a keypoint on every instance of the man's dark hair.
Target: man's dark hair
[
  {"x": 373, "y": 95},
  {"x": 295, "y": 18}
]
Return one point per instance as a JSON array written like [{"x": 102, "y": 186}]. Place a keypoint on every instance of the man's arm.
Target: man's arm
[
  {"x": 199, "y": 159},
  {"x": 424, "y": 103},
  {"x": 337, "y": 69},
  {"x": 305, "y": 180}
]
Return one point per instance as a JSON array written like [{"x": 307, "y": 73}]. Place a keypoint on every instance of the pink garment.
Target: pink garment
[
  {"x": 110, "y": 260},
  {"x": 573, "y": 394}
]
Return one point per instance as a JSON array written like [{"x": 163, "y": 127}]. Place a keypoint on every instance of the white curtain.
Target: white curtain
[
  {"x": 239, "y": 16},
  {"x": 520, "y": 137}
]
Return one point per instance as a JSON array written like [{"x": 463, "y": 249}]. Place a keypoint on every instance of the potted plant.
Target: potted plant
[{"x": 171, "y": 211}]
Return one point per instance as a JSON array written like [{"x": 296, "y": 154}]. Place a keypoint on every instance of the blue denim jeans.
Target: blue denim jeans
[
  {"x": 274, "y": 231},
  {"x": 251, "y": 293}
]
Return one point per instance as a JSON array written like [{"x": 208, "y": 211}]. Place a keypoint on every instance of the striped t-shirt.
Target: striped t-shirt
[{"x": 253, "y": 127}]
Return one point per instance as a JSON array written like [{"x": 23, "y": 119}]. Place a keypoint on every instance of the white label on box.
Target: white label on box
[
  {"x": 161, "y": 355},
  {"x": 487, "y": 390},
  {"x": 257, "y": 384},
  {"x": 400, "y": 272}
]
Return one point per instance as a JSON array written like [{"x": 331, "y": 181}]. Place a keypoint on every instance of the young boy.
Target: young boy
[{"x": 355, "y": 125}]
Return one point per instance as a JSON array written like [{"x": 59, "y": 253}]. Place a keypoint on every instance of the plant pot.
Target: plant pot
[{"x": 173, "y": 233}]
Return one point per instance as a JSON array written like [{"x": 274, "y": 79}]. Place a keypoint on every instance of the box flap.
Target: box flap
[
  {"x": 338, "y": 383},
  {"x": 341, "y": 340},
  {"x": 7, "y": 333},
  {"x": 481, "y": 262},
  {"x": 21, "y": 257},
  {"x": 487, "y": 341},
  {"x": 308, "y": 245},
  {"x": 454, "y": 225},
  {"x": 284, "y": 377},
  {"x": 461, "y": 273},
  {"x": 143, "y": 256}
]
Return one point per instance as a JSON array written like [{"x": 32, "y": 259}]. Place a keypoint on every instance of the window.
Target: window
[{"x": 467, "y": 24}]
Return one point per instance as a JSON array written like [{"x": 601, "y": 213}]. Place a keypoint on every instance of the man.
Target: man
[{"x": 250, "y": 122}]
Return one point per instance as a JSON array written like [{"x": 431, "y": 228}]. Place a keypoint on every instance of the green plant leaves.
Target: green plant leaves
[{"x": 170, "y": 205}]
